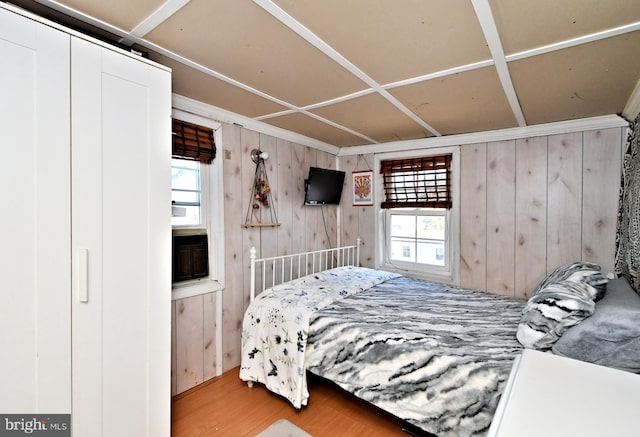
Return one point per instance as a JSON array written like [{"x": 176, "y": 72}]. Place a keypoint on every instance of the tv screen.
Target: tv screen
[{"x": 324, "y": 186}]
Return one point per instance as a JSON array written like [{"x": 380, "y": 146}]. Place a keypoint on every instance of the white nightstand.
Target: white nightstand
[{"x": 547, "y": 395}]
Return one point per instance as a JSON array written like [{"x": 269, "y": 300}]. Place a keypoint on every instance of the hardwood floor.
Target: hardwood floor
[{"x": 225, "y": 406}]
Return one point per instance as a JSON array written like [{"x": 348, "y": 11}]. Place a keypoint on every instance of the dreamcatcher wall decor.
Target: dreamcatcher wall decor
[{"x": 261, "y": 206}]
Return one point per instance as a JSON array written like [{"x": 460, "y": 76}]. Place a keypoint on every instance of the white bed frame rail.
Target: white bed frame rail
[{"x": 285, "y": 268}]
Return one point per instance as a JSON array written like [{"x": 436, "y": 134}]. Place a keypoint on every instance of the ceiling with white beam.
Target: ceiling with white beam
[{"x": 357, "y": 72}]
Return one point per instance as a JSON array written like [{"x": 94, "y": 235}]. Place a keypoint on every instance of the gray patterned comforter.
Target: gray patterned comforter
[
  {"x": 434, "y": 355},
  {"x": 276, "y": 324}
]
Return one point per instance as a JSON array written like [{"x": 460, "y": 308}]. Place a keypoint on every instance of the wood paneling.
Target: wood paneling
[
  {"x": 564, "y": 188},
  {"x": 251, "y": 237},
  {"x": 349, "y": 224},
  {"x": 600, "y": 196},
  {"x": 473, "y": 216},
  {"x": 357, "y": 221},
  {"x": 194, "y": 341},
  {"x": 366, "y": 216},
  {"x": 232, "y": 297},
  {"x": 531, "y": 214},
  {"x": 288, "y": 189},
  {"x": 550, "y": 201},
  {"x": 209, "y": 338},
  {"x": 313, "y": 222},
  {"x": 555, "y": 204},
  {"x": 500, "y": 217},
  {"x": 367, "y": 238},
  {"x": 189, "y": 343},
  {"x": 300, "y": 171}
]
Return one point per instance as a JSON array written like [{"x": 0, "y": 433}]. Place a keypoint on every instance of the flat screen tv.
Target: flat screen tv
[{"x": 323, "y": 187}]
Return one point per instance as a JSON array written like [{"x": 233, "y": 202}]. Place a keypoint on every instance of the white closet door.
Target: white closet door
[
  {"x": 35, "y": 236},
  {"x": 121, "y": 109}
]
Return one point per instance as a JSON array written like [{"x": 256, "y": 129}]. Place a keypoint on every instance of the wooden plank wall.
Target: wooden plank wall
[
  {"x": 474, "y": 232},
  {"x": 302, "y": 228},
  {"x": 564, "y": 187},
  {"x": 531, "y": 205},
  {"x": 194, "y": 341},
  {"x": 500, "y": 222},
  {"x": 531, "y": 211},
  {"x": 357, "y": 221}
]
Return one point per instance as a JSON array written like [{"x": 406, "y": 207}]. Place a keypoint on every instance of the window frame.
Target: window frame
[
  {"x": 211, "y": 212},
  {"x": 418, "y": 212},
  {"x": 203, "y": 171},
  {"x": 448, "y": 274}
]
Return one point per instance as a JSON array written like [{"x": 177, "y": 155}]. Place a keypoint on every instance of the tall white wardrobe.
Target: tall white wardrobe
[{"x": 85, "y": 228}]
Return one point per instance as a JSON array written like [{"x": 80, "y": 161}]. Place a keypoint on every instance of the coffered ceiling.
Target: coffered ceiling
[{"x": 355, "y": 72}]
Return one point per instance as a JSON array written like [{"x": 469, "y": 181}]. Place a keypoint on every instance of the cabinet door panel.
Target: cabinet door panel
[
  {"x": 35, "y": 261},
  {"x": 121, "y": 214}
]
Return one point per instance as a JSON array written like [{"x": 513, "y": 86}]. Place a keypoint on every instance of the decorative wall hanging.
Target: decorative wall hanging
[
  {"x": 262, "y": 208},
  {"x": 628, "y": 229},
  {"x": 362, "y": 187}
]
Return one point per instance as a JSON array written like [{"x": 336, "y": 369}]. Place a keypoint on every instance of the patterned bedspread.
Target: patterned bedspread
[
  {"x": 433, "y": 355},
  {"x": 275, "y": 327}
]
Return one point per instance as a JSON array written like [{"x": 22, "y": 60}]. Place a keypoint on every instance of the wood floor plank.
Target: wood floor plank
[{"x": 225, "y": 406}]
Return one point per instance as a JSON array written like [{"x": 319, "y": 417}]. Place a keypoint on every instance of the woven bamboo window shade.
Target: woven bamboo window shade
[
  {"x": 193, "y": 142},
  {"x": 423, "y": 182}
]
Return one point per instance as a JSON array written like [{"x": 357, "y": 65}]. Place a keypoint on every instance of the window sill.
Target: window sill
[
  {"x": 204, "y": 286},
  {"x": 445, "y": 278}
]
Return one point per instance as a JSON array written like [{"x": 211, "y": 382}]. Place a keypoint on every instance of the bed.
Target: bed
[{"x": 434, "y": 355}]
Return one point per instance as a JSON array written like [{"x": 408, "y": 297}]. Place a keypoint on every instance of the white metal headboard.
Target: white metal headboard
[{"x": 285, "y": 268}]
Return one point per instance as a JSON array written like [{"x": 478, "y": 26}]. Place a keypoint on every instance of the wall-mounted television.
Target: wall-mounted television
[{"x": 323, "y": 187}]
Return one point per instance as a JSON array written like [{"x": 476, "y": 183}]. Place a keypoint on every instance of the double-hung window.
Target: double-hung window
[
  {"x": 186, "y": 193},
  {"x": 418, "y": 215},
  {"x": 418, "y": 236},
  {"x": 194, "y": 191}
]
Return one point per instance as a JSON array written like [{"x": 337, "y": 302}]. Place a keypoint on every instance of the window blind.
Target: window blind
[
  {"x": 194, "y": 142},
  {"x": 423, "y": 182}
]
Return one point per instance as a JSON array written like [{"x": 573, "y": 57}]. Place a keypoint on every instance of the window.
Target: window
[
  {"x": 190, "y": 254},
  {"x": 418, "y": 213},
  {"x": 186, "y": 193},
  {"x": 197, "y": 208},
  {"x": 417, "y": 237}
]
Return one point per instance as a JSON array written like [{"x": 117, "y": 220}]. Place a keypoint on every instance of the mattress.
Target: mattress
[{"x": 433, "y": 355}]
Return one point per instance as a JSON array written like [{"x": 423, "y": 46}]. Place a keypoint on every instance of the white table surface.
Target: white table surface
[{"x": 549, "y": 396}]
